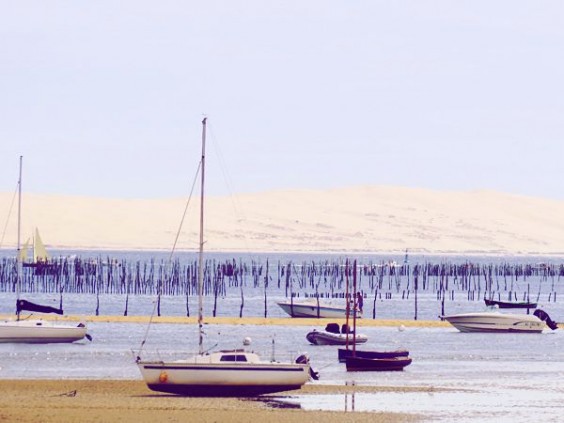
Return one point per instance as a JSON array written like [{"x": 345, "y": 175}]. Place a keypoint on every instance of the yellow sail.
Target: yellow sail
[
  {"x": 23, "y": 251},
  {"x": 39, "y": 251}
]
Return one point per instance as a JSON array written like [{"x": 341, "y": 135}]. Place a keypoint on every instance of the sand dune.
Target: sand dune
[{"x": 358, "y": 219}]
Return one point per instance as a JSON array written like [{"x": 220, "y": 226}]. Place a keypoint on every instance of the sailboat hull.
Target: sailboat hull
[
  {"x": 223, "y": 379},
  {"x": 219, "y": 390},
  {"x": 39, "y": 332}
]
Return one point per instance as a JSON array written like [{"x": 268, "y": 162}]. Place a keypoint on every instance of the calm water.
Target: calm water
[{"x": 487, "y": 377}]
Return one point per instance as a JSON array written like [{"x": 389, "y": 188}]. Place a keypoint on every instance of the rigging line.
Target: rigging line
[
  {"x": 227, "y": 179},
  {"x": 9, "y": 214},
  {"x": 220, "y": 159},
  {"x": 185, "y": 210},
  {"x": 147, "y": 331}
]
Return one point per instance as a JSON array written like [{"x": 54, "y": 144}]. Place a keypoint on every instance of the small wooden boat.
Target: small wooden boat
[
  {"x": 345, "y": 353},
  {"x": 509, "y": 304},
  {"x": 372, "y": 361},
  {"x": 357, "y": 364}
]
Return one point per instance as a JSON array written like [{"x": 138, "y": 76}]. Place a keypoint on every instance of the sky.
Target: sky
[{"x": 106, "y": 98}]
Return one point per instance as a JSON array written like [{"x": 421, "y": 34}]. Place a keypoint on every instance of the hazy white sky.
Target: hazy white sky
[{"x": 105, "y": 98}]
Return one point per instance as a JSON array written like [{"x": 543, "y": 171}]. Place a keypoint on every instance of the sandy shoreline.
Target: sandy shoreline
[
  {"x": 258, "y": 321},
  {"x": 61, "y": 401}
]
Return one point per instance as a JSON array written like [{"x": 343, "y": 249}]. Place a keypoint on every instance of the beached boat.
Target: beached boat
[
  {"x": 315, "y": 309},
  {"x": 37, "y": 331},
  {"x": 509, "y": 304},
  {"x": 222, "y": 373},
  {"x": 495, "y": 321},
  {"x": 333, "y": 336}
]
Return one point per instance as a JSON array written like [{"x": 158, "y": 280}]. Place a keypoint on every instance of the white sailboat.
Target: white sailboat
[
  {"x": 36, "y": 331},
  {"x": 39, "y": 257},
  {"x": 221, "y": 373}
]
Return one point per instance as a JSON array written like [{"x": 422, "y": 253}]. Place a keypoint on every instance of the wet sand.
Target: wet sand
[
  {"x": 85, "y": 401},
  {"x": 259, "y": 321}
]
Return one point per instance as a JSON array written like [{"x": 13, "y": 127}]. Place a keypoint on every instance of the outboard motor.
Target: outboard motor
[
  {"x": 304, "y": 359},
  {"x": 543, "y": 315}
]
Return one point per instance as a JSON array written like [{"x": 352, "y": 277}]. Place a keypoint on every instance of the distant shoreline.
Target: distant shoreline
[{"x": 56, "y": 250}]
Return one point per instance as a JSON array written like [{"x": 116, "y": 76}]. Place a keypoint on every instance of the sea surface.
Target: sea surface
[{"x": 465, "y": 377}]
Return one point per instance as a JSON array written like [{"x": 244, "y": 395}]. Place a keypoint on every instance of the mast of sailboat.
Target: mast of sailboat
[
  {"x": 201, "y": 256},
  {"x": 354, "y": 309},
  {"x": 18, "y": 255},
  {"x": 347, "y": 299}
]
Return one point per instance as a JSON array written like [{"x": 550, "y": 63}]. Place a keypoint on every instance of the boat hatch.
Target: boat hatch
[{"x": 233, "y": 357}]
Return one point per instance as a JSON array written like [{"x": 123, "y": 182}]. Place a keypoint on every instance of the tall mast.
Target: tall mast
[
  {"x": 18, "y": 255},
  {"x": 354, "y": 308},
  {"x": 347, "y": 300},
  {"x": 201, "y": 256}
]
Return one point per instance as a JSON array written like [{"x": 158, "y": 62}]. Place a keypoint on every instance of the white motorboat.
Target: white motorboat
[
  {"x": 36, "y": 331},
  {"x": 495, "y": 321},
  {"x": 311, "y": 308},
  {"x": 332, "y": 336},
  {"x": 223, "y": 373}
]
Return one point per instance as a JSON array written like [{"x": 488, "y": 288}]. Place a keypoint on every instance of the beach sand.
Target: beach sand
[
  {"x": 259, "y": 321},
  {"x": 85, "y": 401}
]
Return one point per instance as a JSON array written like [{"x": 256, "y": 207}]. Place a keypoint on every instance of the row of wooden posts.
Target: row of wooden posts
[{"x": 324, "y": 279}]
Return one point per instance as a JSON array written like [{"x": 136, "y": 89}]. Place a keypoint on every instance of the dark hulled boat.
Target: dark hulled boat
[
  {"x": 371, "y": 361},
  {"x": 345, "y": 353},
  {"x": 357, "y": 364}
]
